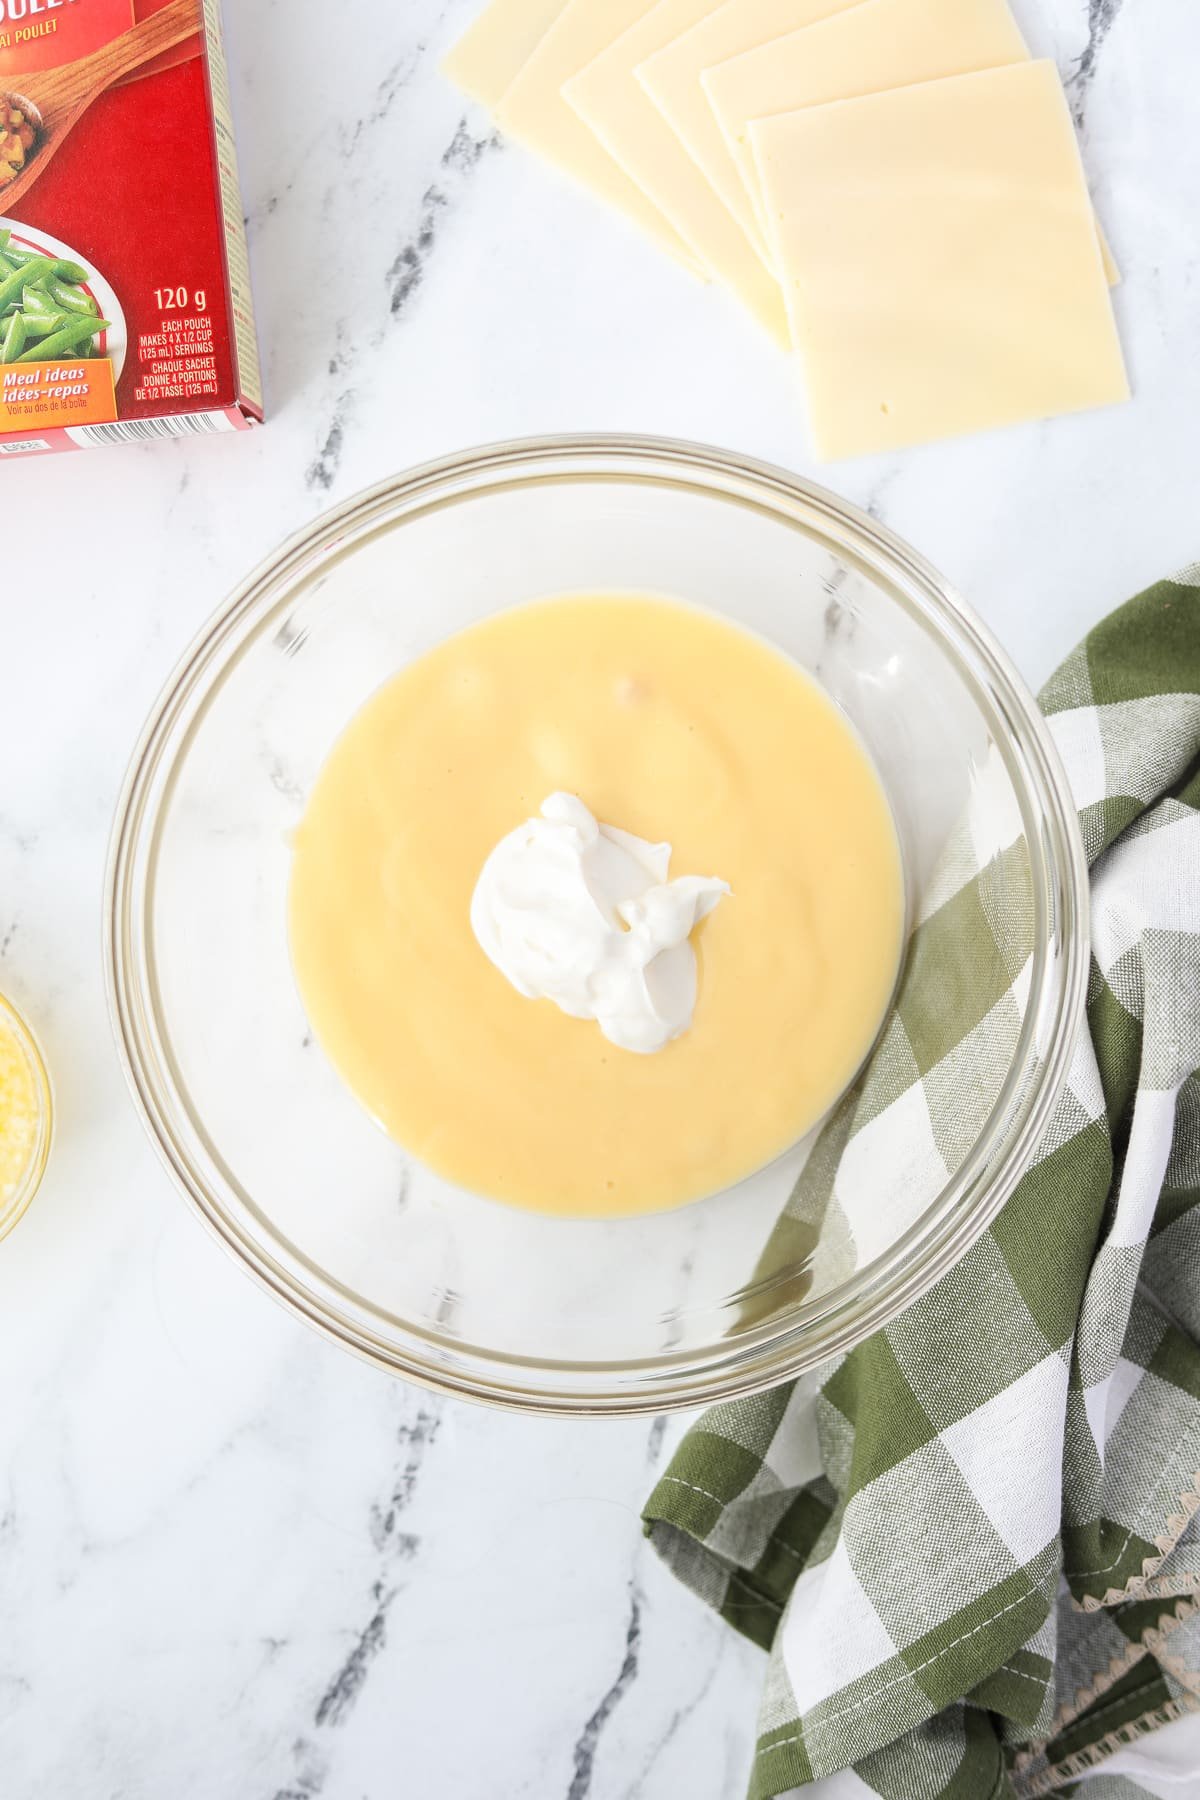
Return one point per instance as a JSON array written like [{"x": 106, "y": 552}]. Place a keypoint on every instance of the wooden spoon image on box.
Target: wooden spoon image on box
[{"x": 54, "y": 100}]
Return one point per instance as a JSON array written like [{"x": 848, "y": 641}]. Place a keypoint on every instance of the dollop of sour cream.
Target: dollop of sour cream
[{"x": 583, "y": 914}]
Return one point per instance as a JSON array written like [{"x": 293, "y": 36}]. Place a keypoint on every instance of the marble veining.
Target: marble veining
[
  {"x": 235, "y": 1564},
  {"x": 395, "y": 1549},
  {"x": 588, "y": 1742},
  {"x": 1101, "y": 17},
  {"x": 405, "y": 275},
  {"x": 459, "y": 159}
]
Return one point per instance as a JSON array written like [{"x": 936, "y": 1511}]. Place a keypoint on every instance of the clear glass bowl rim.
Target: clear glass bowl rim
[{"x": 818, "y": 1329}]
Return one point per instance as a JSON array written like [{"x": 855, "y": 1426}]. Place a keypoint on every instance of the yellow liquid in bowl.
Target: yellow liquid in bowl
[{"x": 674, "y": 725}]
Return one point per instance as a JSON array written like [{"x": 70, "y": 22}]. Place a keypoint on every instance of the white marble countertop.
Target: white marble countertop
[{"x": 234, "y": 1564}]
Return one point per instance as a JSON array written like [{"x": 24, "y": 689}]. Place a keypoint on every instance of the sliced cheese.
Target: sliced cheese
[
  {"x": 672, "y": 80},
  {"x": 534, "y": 112},
  {"x": 882, "y": 44},
  {"x": 491, "y": 53},
  {"x": 940, "y": 260},
  {"x": 877, "y": 45},
  {"x": 609, "y": 98}
]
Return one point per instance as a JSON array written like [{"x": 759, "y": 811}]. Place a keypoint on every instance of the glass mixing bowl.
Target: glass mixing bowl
[{"x": 467, "y": 1296}]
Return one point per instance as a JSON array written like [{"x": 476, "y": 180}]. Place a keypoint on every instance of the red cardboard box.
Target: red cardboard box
[{"x": 125, "y": 309}]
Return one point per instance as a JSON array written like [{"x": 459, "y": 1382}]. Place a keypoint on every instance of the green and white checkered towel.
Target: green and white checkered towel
[{"x": 970, "y": 1545}]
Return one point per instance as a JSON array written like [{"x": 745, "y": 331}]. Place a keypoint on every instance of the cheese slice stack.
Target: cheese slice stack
[
  {"x": 674, "y": 79},
  {"x": 609, "y": 97},
  {"x": 892, "y": 187},
  {"x": 862, "y": 50},
  {"x": 865, "y": 48},
  {"x": 940, "y": 260},
  {"x": 532, "y": 109},
  {"x": 489, "y": 56}
]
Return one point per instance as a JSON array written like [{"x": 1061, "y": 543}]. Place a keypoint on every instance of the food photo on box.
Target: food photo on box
[
  {"x": 125, "y": 309},
  {"x": 599, "y": 900}
]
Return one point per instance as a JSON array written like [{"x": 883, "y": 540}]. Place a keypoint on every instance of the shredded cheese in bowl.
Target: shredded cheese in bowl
[{"x": 24, "y": 1118}]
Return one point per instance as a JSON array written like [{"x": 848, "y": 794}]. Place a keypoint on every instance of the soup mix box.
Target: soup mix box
[{"x": 125, "y": 309}]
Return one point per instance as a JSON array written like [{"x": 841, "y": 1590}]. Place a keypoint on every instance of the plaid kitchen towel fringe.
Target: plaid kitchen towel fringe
[{"x": 971, "y": 1545}]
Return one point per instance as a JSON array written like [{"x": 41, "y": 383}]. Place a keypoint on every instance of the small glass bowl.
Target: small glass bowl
[
  {"x": 473, "y": 1298},
  {"x": 15, "y": 1205}
]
